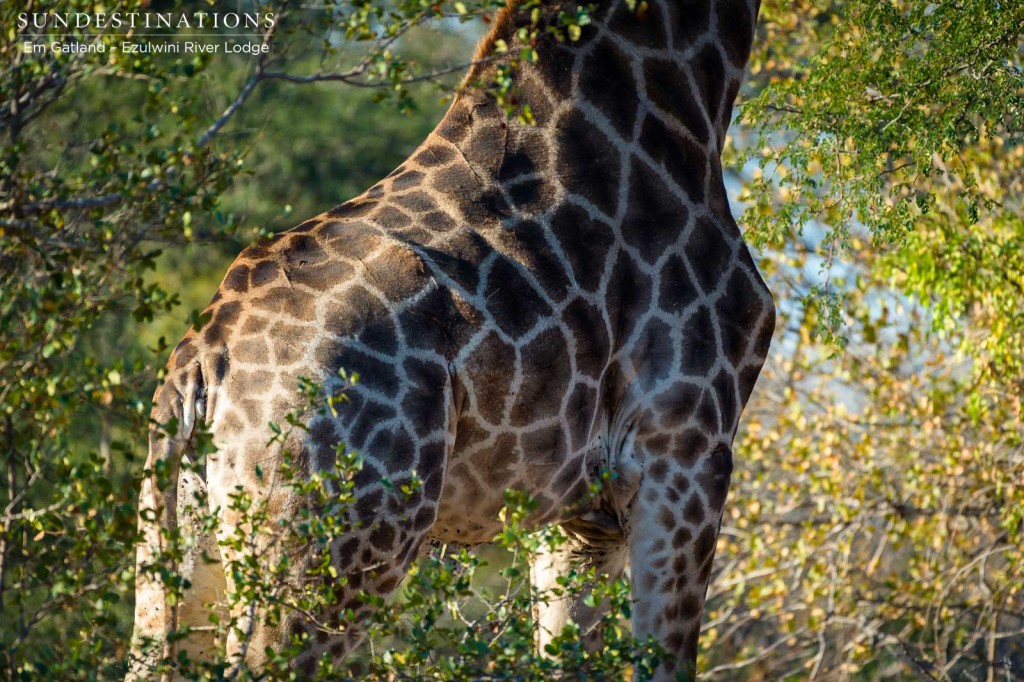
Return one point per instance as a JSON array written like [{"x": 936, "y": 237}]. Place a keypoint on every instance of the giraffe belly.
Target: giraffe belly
[{"x": 479, "y": 476}]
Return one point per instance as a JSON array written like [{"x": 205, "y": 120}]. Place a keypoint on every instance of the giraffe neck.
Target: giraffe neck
[
  {"x": 629, "y": 125},
  {"x": 684, "y": 59}
]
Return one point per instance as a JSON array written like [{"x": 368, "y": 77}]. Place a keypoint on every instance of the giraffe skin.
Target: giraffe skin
[{"x": 526, "y": 305}]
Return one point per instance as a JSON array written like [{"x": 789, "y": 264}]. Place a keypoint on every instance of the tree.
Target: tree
[{"x": 875, "y": 528}]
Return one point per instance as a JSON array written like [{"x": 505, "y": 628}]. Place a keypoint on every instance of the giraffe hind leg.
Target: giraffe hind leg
[
  {"x": 315, "y": 616},
  {"x": 594, "y": 541},
  {"x": 203, "y": 585}
]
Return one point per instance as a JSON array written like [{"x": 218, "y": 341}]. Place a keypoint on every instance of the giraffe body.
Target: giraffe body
[{"x": 526, "y": 306}]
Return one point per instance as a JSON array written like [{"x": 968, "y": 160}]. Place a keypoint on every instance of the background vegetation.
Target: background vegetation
[{"x": 874, "y": 525}]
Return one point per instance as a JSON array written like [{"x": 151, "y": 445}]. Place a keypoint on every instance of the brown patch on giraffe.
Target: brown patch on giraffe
[
  {"x": 675, "y": 404},
  {"x": 264, "y": 272},
  {"x": 541, "y": 395},
  {"x": 589, "y": 163},
  {"x": 374, "y": 373},
  {"x": 350, "y": 240},
  {"x": 433, "y": 155},
  {"x": 704, "y": 545},
  {"x": 432, "y": 324},
  {"x": 251, "y": 380},
  {"x": 688, "y": 446},
  {"x": 354, "y": 311},
  {"x": 406, "y": 179},
  {"x": 511, "y": 300},
  {"x": 470, "y": 493},
  {"x": 355, "y": 208},
  {"x": 391, "y": 218},
  {"x": 681, "y": 538},
  {"x": 585, "y": 242},
  {"x": 529, "y": 243},
  {"x": 532, "y": 89},
  {"x": 714, "y": 480},
  {"x": 655, "y": 218},
  {"x": 586, "y": 326},
  {"x": 709, "y": 75},
  {"x": 545, "y": 449},
  {"x": 423, "y": 403},
  {"x": 698, "y": 343},
  {"x": 725, "y": 389},
  {"x": 748, "y": 377},
  {"x": 437, "y": 221},
  {"x": 486, "y": 144},
  {"x": 254, "y": 324},
  {"x": 694, "y": 511},
  {"x": 218, "y": 329},
  {"x": 291, "y": 301},
  {"x": 668, "y": 88},
  {"x": 522, "y": 158},
  {"x": 628, "y": 295},
  {"x": 487, "y": 363},
  {"x": 251, "y": 409},
  {"x": 581, "y": 410},
  {"x": 690, "y": 606},
  {"x": 667, "y": 519},
  {"x": 685, "y": 160},
  {"x": 556, "y": 68},
  {"x": 237, "y": 279},
  {"x": 454, "y": 127},
  {"x": 652, "y": 353},
  {"x": 184, "y": 352},
  {"x": 301, "y": 250},
  {"x": 498, "y": 460},
  {"x": 707, "y": 413},
  {"x": 397, "y": 272},
  {"x": 252, "y": 351},
  {"x": 690, "y": 20},
  {"x": 675, "y": 290},
  {"x": 394, "y": 448},
  {"x": 470, "y": 435},
  {"x": 289, "y": 347},
  {"x": 459, "y": 259},
  {"x": 645, "y": 30},
  {"x": 322, "y": 276},
  {"x": 306, "y": 225},
  {"x": 532, "y": 195},
  {"x": 607, "y": 63},
  {"x": 658, "y": 470},
  {"x": 735, "y": 29},
  {"x": 366, "y": 508},
  {"x": 417, "y": 202}
]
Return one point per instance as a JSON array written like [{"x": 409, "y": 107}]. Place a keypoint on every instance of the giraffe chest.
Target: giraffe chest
[{"x": 543, "y": 415}]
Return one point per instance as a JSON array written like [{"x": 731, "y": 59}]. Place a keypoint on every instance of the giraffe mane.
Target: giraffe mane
[
  {"x": 501, "y": 25},
  {"x": 502, "y": 28}
]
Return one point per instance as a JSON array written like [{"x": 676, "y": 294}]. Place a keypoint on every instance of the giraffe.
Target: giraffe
[{"x": 527, "y": 305}]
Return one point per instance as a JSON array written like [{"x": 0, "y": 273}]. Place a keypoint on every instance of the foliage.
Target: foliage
[
  {"x": 453, "y": 620},
  {"x": 873, "y": 529}
]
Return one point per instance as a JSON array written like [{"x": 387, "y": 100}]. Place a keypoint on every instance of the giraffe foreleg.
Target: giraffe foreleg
[{"x": 673, "y": 530}]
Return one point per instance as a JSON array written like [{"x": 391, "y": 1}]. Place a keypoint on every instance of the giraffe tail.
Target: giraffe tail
[{"x": 174, "y": 574}]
